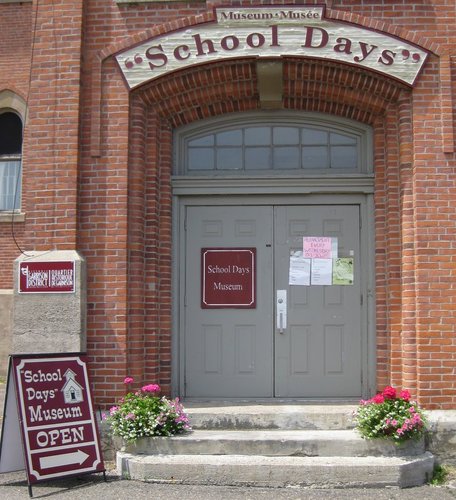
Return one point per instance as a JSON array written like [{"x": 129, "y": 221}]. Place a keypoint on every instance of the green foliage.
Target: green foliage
[{"x": 440, "y": 475}]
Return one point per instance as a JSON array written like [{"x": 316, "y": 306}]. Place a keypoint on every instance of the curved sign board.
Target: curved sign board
[{"x": 269, "y": 32}]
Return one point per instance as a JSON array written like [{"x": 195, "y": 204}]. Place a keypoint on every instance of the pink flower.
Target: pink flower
[
  {"x": 128, "y": 380},
  {"x": 416, "y": 419},
  {"x": 130, "y": 416},
  {"x": 378, "y": 399},
  {"x": 389, "y": 392},
  {"x": 405, "y": 395},
  {"x": 113, "y": 410},
  {"x": 151, "y": 388}
]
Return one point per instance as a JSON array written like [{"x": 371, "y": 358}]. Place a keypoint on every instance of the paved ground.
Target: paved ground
[{"x": 13, "y": 486}]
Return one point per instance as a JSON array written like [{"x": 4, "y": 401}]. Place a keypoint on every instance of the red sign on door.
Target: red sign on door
[
  {"x": 59, "y": 430},
  {"x": 228, "y": 278},
  {"x": 46, "y": 277}
]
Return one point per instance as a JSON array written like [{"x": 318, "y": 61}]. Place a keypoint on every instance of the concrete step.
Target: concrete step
[
  {"x": 297, "y": 443},
  {"x": 226, "y": 415},
  {"x": 241, "y": 470},
  {"x": 275, "y": 445}
]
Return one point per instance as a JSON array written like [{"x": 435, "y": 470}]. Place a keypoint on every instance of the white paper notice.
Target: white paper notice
[
  {"x": 299, "y": 269},
  {"x": 321, "y": 272}
]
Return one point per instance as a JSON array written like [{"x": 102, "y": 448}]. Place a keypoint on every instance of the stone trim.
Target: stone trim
[{"x": 8, "y": 217}]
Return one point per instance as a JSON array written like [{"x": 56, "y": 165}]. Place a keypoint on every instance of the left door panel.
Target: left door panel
[{"x": 228, "y": 352}]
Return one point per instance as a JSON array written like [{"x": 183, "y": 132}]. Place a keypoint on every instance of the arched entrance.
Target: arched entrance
[{"x": 259, "y": 183}]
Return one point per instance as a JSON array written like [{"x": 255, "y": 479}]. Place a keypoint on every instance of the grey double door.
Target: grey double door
[{"x": 313, "y": 352}]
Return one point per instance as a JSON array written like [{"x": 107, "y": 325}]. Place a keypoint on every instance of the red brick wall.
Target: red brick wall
[
  {"x": 120, "y": 217},
  {"x": 15, "y": 42}
]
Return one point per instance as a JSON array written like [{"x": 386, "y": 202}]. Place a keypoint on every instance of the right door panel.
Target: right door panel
[{"x": 318, "y": 354}]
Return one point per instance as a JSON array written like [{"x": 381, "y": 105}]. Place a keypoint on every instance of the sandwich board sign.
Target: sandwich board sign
[{"x": 48, "y": 407}]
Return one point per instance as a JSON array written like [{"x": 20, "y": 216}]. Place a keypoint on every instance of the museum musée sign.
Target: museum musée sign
[{"x": 270, "y": 32}]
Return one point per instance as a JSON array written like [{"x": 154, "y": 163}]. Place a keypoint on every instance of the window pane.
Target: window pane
[
  {"x": 285, "y": 135},
  {"x": 200, "y": 159},
  {"x": 230, "y": 138},
  {"x": 10, "y": 134},
  {"x": 272, "y": 145},
  {"x": 286, "y": 157},
  {"x": 257, "y": 158},
  {"x": 229, "y": 159},
  {"x": 344, "y": 157},
  {"x": 313, "y": 136},
  {"x": 341, "y": 139},
  {"x": 207, "y": 140},
  {"x": 9, "y": 172},
  {"x": 315, "y": 157},
  {"x": 257, "y": 136}
]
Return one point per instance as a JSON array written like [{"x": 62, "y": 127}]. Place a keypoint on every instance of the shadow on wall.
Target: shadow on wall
[{"x": 6, "y": 317}]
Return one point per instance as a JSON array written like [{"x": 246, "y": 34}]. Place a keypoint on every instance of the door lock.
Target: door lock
[{"x": 281, "y": 311}]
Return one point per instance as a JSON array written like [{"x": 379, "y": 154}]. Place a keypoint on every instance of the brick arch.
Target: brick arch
[
  {"x": 308, "y": 85},
  {"x": 338, "y": 89},
  {"x": 203, "y": 91},
  {"x": 11, "y": 98}
]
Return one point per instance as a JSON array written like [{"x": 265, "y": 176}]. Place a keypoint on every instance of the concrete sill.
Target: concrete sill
[{"x": 6, "y": 217}]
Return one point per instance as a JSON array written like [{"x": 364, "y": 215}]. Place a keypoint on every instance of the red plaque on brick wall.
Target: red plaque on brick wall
[
  {"x": 46, "y": 277},
  {"x": 228, "y": 278}
]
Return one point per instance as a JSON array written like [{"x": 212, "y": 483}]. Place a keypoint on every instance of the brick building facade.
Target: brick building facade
[{"x": 98, "y": 160}]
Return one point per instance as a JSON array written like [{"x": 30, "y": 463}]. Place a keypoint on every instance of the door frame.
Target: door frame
[{"x": 357, "y": 190}]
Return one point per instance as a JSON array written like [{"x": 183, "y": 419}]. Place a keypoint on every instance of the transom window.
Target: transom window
[
  {"x": 279, "y": 145},
  {"x": 10, "y": 160}
]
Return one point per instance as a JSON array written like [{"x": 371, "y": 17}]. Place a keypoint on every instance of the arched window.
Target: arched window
[
  {"x": 10, "y": 160},
  {"x": 273, "y": 144}
]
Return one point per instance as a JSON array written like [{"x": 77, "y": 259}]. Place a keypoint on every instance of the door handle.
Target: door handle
[{"x": 281, "y": 311}]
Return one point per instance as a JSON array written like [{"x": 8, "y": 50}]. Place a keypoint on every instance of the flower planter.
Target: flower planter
[{"x": 386, "y": 447}]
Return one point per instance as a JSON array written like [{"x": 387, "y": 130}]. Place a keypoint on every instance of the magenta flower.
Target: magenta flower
[
  {"x": 405, "y": 395},
  {"x": 378, "y": 399},
  {"x": 389, "y": 392},
  {"x": 128, "y": 380},
  {"x": 151, "y": 388}
]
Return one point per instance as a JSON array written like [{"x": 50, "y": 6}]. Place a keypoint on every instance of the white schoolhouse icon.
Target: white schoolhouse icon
[{"x": 72, "y": 391}]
